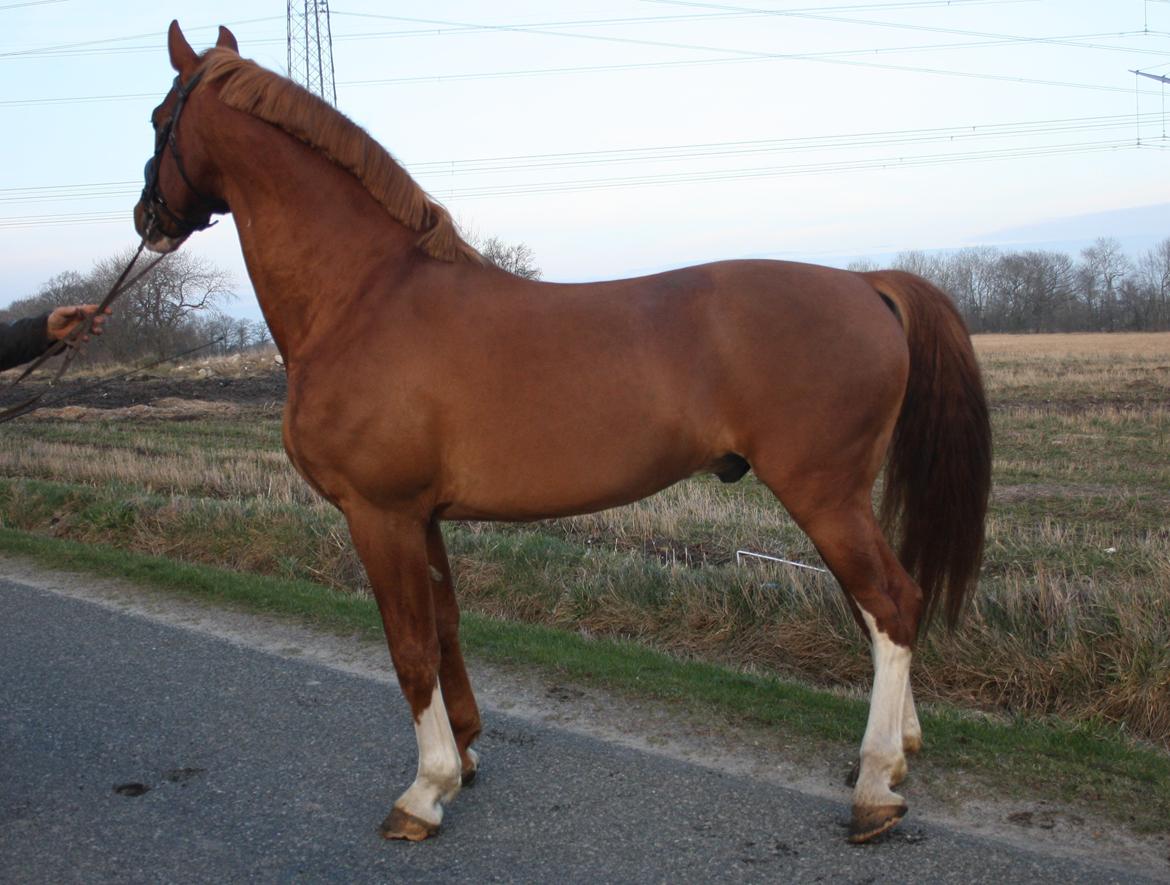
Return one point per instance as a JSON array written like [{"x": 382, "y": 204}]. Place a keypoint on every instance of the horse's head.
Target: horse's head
[{"x": 173, "y": 204}]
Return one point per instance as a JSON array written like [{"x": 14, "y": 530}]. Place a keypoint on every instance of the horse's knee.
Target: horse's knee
[{"x": 418, "y": 675}]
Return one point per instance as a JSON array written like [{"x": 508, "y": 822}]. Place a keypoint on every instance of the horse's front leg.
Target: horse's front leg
[
  {"x": 462, "y": 709},
  {"x": 393, "y": 548}
]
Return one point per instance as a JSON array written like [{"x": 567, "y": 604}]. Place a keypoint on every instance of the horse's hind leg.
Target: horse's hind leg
[
  {"x": 462, "y": 710},
  {"x": 889, "y": 604},
  {"x": 394, "y": 551},
  {"x": 911, "y": 727}
]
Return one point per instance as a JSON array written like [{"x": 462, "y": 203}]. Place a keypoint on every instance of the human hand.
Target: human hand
[{"x": 64, "y": 320}]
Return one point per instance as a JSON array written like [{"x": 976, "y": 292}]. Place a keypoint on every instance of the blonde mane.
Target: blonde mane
[{"x": 250, "y": 88}]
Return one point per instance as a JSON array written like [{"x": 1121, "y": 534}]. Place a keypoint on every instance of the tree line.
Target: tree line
[
  {"x": 175, "y": 308},
  {"x": 1102, "y": 290},
  {"x": 179, "y": 305}
]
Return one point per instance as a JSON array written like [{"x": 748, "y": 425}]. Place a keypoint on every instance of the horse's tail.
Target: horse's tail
[{"x": 938, "y": 473}]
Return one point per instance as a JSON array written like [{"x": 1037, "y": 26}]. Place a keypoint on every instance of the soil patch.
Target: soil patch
[
  {"x": 256, "y": 389},
  {"x": 166, "y": 409}
]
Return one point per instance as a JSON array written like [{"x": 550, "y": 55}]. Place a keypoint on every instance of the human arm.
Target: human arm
[{"x": 25, "y": 339}]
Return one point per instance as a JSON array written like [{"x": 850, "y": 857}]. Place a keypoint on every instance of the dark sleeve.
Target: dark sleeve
[{"x": 23, "y": 340}]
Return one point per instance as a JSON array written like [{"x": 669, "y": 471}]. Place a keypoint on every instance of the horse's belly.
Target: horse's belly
[{"x": 543, "y": 479}]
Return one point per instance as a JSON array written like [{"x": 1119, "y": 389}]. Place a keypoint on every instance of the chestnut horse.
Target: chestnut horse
[{"x": 425, "y": 384}]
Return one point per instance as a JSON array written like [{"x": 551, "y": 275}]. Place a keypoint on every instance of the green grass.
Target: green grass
[
  {"x": 153, "y": 437},
  {"x": 1089, "y": 764}
]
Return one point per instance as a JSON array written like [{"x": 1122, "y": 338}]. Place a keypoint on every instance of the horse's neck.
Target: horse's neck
[{"x": 310, "y": 233}]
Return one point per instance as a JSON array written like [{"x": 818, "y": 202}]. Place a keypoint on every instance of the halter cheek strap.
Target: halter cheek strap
[{"x": 152, "y": 196}]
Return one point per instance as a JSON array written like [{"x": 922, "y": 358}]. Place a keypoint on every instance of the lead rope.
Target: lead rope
[{"x": 69, "y": 344}]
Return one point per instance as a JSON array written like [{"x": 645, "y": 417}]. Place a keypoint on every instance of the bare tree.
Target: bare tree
[
  {"x": 155, "y": 315},
  {"x": 1103, "y": 266},
  {"x": 1041, "y": 290},
  {"x": 922, "y": 264},
  {"x": 516, "y": 258},
  {"x": 175, "y": 308},
  {"x": 970, "y": 278},
  {"x": 1153, "y": 269},
  {"x": 68, "y": 287}
]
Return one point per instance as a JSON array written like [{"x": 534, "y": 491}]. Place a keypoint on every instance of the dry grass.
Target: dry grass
[
  {"x": 236, "y": 473},
  {"x": 1072, "y": 617},
  {"x": 251, "y": 363},
  {"x": 1077, "y": 370},
  {"x": 1094, "y": 347}
]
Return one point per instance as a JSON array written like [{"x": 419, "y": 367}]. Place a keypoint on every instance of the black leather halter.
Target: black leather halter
[{"x": 153, "y": 200}]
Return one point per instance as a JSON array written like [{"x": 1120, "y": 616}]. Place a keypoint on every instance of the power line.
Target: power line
[
  {"x": 672, "y": 178},
  {"x": 96, "y": 47},
  {"x": 825, "y": 57},
  {"x": 18, "y": 222},
  {"x": 30, "y": 3},
  {"x": 819, "y": 16},
  {"x": 61, "y": 47},
  {"x": 78, "y": 99},
  {"x": 893, "y": 162},
  {"x": 839, "y": 57},
  {"x": 446, "y": 29},
  {"x": 834, "y": 56},
  {"x": 539, "y": 188},
  {"x": 452, "y": 27},
  {"x": 668, "y": 153},
  {"x": 822, "y": 57},
  {"x": 985, "y": 40},
  {"x": 533, "y": 72},
  {"x": 572, "y": 23},
  {"x": 664, "y": 153}
]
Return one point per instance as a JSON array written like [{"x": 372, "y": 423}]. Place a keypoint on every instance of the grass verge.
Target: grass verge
[{"x": 1089, "y": 765}]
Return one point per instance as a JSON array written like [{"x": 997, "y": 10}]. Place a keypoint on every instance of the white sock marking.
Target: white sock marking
[
  {"x": 439, "y": 768},
  {"x": 882, "y": 759}
]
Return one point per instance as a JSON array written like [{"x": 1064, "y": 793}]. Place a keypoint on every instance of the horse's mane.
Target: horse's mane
[{"x": 250, "y": 88}]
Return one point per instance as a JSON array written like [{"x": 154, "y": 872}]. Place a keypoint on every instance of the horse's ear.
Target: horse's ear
[
  {"x": 183, "y": 57},
  {"x": 227, "y": 40}
]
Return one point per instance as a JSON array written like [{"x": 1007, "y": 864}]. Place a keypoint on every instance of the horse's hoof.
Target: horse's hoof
[
  {"x": 401, "y": 824},
  {"x": 873, "y": 820}
]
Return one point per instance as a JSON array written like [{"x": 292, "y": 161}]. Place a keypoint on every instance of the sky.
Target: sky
[{"x": 624, "y": 137}]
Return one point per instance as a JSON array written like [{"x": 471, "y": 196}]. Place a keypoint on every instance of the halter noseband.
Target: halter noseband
[{"x": 152, "y": 197}]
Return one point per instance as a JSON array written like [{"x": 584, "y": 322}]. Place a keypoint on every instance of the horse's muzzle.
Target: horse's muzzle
[{"x": 146, "y": 223}]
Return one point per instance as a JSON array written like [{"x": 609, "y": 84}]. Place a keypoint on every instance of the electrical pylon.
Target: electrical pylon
[
  {"x": 1151, "y": 76},
  {"x": 310, "y": 47}
]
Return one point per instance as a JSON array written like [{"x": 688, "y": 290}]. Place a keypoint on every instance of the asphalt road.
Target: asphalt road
[{"x": 262, "y": 768}]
